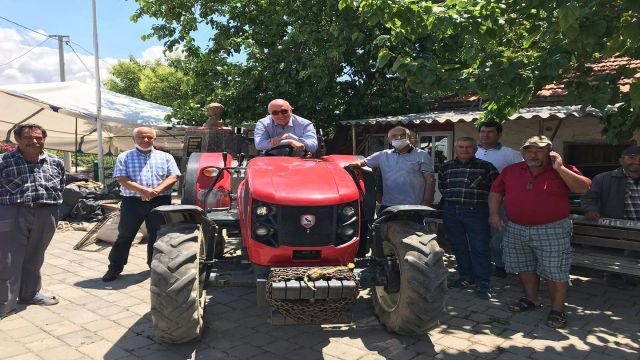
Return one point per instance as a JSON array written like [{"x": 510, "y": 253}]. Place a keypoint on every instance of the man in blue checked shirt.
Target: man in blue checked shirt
[
  {"x": 146, "y": 176},
  {"x": 282, "y": 127}
]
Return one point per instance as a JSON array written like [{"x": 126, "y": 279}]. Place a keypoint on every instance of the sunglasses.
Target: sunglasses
[{"x": 281, "y": 112}]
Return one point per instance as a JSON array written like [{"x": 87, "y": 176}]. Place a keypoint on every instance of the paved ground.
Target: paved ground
[{"x": 94, "y": 321}]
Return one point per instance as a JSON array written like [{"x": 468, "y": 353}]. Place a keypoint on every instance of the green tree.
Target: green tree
[
  {"x": 320, "y": 58},
  {"x": 507, "y": 50},
  {"x": 156, "y": 82}
]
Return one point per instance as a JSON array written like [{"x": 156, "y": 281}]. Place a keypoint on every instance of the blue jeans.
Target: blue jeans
[
  {"x": 468, "y": 232},
  {"x": 133, "y": 211},
  {"x": 496, "y": 241}
]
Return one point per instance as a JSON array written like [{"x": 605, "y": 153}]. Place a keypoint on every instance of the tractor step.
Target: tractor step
[{"x": 324, "y": 289}]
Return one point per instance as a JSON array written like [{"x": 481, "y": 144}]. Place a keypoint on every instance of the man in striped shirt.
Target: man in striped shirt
[{"x": 464, "y": 183}]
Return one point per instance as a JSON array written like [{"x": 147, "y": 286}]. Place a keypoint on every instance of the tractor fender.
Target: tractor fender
[
  {"x": 189, "y": 214},
  {"x": 393, "y": 212},
  {"x": 195, "y": 183}
]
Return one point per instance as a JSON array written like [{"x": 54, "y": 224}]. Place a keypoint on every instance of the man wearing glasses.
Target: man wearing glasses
[
  {"x": 537, "y": 235},
  {"x": 282, "y": 127}
]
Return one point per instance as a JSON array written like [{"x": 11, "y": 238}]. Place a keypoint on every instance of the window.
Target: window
[{"x": 593, "y": 159}]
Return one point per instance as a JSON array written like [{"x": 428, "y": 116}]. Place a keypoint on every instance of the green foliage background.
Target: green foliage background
[{"x": 347, "y": 59}]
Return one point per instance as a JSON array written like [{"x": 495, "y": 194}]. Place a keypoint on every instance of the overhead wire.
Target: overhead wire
[
  {"x": 22, "y": 26},
  {"x": 30, "y": 50},
  {"x": 79, "y": 58},
  {"x": 48, "y": 37}
]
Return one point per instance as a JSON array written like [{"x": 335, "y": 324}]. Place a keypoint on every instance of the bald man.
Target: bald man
[
  {"x": 146, "y": 176},
  {"x": 282, "y": 127}
]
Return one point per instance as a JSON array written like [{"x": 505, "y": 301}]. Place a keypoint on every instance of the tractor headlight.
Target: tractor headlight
[
  {"x": 262, "y": 230},
  {"x": 210, "y": 171},
  {"x": 348, "y": 211},
  {"x": 263, "y": 210},
  {"x": 348, "y": 231}
]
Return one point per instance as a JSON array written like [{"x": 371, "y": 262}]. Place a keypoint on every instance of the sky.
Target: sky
[{"x": 118, "y": 38}]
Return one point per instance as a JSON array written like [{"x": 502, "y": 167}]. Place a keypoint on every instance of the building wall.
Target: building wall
[{"x": 572, "y": 130}]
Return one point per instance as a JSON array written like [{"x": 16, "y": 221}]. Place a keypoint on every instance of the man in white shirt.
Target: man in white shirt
[{"x": 490, "y": 149}]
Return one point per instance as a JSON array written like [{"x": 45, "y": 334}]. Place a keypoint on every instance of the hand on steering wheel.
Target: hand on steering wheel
[{"x": 284, "y": 146}]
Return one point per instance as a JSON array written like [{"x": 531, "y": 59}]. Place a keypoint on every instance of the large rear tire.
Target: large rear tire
[
  {"x": 177, "y": 297},
  {"x": 415, "y": 308}
]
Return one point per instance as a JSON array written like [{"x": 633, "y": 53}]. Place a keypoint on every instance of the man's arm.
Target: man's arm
[
  {"x": 495, "y": 200},
  {"x": 165, "y": 184},
  {"x": 145, "y": 192},
  {"x": 261, "y": 137},
  {"x": 590, "y": 201},
  {"x": 574, "y": 181},
  {"x": 429, "y": 188},
  {"x": 308, "y": 138}
]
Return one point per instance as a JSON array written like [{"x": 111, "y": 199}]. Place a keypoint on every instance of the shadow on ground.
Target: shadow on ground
[
  {"x": 470, "y": 328},
  {"x": 123, "y": 281}
]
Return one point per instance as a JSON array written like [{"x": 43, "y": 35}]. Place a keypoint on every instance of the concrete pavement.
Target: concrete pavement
[{"x": 95, "y": 320}]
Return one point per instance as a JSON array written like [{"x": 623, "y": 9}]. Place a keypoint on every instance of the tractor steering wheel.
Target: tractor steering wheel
[{"x": 284, "y": 146}]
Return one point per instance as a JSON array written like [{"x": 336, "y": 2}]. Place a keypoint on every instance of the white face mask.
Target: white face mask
[
  {"x": 144, "y": 149},
  {"x": 399, "y": 143}
]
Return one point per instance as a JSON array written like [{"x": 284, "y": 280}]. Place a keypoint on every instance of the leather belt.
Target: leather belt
[{"x": 34, "y": 205}]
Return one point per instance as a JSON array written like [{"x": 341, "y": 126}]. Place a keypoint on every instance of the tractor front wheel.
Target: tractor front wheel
[
  {"x": 177, "y": 296},
  {"x": 415, "y": 307}
]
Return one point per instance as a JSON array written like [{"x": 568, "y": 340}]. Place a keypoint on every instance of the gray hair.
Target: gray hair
[
  {"x": 467, "y": 139},
  {"x": 407, "y": 131},
  {"x": 135, "y": 131}
]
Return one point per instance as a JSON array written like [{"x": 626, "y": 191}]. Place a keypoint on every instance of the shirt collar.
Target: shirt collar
[
  {"x": 472, "y": 160},
  {"x": 495, "y": 148},
  {"x": 18, "y": 154}
]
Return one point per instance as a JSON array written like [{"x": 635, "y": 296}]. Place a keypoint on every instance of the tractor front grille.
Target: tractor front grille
[{"x": 306, "y": 226}]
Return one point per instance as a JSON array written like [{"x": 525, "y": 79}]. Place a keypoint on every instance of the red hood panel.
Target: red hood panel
[{"x": 299, "y": 182}]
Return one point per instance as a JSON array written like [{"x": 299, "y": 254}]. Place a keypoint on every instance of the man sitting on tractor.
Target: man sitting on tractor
[{"x": 282, "y": 128}]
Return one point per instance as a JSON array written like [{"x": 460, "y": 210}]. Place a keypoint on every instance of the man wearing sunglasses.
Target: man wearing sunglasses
[{"x": 282, "y": 127}]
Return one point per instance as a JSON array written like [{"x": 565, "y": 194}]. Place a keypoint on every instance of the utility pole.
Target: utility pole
[
  {"x": 67, "y": 155},
  {"x": 60, "y": 53}
]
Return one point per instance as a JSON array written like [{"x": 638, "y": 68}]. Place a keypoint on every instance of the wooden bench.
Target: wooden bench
[{"x": 600, "y": 244}]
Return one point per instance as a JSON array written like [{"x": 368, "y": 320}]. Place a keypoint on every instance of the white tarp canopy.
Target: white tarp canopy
[{"x": 67, "y": 111}]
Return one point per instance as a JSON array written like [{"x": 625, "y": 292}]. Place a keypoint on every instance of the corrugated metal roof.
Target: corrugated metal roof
[{"x": 545, "y": 112}]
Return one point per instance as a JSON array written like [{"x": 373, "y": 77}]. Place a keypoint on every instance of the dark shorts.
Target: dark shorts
[{"x": 543, "y": 249}]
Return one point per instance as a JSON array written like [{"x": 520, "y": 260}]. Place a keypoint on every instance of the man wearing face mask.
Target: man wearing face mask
[
  {"x": 146, "y": 176},
  {"x": 407, "y": 172}
]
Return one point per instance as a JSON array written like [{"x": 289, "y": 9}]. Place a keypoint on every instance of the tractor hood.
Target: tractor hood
[{"x": 299, "y": 182}]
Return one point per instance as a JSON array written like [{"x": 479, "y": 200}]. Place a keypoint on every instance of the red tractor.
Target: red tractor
[{"x": 307, "y": 226}]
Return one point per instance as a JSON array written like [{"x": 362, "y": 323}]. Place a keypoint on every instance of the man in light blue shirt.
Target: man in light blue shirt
[
  {"x": 407, "y": 172},
  {"x": 490, "y": 149},
  {"x": 282, "y": 127},
  {"x": 146, "y": 176}
]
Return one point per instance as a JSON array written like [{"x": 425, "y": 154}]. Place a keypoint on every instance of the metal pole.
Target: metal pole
[
  {"x": 98, "y": 95},
  {"x": 353, "y": 138},
  {"x": 66, "y": 154},
  {"x": 60, "y": 54}
]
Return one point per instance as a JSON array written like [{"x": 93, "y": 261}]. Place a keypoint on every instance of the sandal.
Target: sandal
[
  {"x": 523, "y": 304},
  {"x": 41, "y": 299},
  {"x": 557, "y": 319}
]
